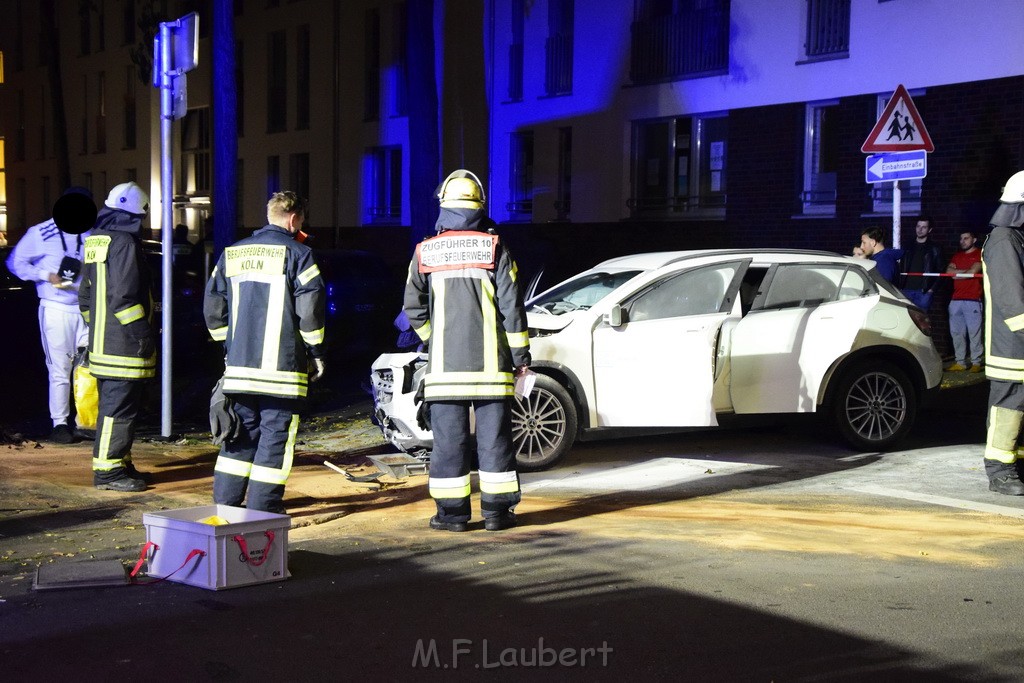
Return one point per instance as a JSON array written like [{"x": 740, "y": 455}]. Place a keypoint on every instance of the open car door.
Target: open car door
[{"x": 654, "y": 354}]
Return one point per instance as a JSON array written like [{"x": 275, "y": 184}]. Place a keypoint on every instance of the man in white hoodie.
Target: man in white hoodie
[{"x": 52, "y": 259}]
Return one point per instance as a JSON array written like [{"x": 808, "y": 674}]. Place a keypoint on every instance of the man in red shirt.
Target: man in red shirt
[{"x": 965, "y": 307}]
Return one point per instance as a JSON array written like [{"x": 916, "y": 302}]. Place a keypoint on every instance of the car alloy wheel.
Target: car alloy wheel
[
  {"x": 875, "y": 405},
  {"x": 543, "y": 425}
]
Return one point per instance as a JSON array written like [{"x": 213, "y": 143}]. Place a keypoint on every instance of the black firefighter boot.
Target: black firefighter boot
[{"x": 1003, "y": 478}]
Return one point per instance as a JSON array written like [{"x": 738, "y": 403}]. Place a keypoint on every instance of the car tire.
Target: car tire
[
  {"x": 543, "y": 425},
  {"x": 874, "y": 405}
]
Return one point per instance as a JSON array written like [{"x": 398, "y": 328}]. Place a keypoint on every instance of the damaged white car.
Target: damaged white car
[{"x": 675, "y": 339}]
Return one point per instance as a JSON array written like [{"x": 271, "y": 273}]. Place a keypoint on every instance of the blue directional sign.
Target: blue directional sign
[{"x": 879, "y": 168}]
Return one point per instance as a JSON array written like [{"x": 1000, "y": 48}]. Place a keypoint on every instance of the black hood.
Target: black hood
[
  {"x": 463, "y": 219},
  {"x": 118, "y": 221},
  {"x": 1008, "y": 215}
]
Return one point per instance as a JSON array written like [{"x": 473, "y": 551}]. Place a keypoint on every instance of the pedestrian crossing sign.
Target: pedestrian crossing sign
[{"x": 899, "y": 128}]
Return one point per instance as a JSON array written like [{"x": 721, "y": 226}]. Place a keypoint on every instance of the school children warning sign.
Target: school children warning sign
[{"x": 899, "y": 128}]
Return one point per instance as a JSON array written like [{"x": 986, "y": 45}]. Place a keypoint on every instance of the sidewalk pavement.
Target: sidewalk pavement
[{"x": 49, "y": 509}]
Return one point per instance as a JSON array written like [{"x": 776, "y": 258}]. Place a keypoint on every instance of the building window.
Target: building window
[
  {"x": 273, "y": 175},
  {"x": 129, "y": 109},
  {"x": 240, "y": 193},
  {"x": 3, "y": 187},
  {"x": 828, "y": 28},
  {"x": 674, "y": 39},
  {"x": 298, "y": 176},
  {"x": 910, "y": 190},
  {"x": 302, "y": 78},
  {"x": 101, "y": 112},
  {"x": 18, "y": 58},
  {"x": 563, "y": 200},
  {"x": 47, "y": 193},
  {"x": 558, "y": 49},
  {"x": 42, "y": 122},
  {"x": 196, "y": 158},
  {"x": 131, "y": 175},
  {"x": 384, "y": 185},
  {"x": 240, "y": 88},
  {"x": 680, "y": 167},
  {"x": 127, "y": 22},
  {"x": 101, "y": 25},
  {"x": 277, "y": 86},
  {"x": 371, "y": 68},
  {"x": 400, "y": 72},
  {"x": 521, "y": 176},
  {"x": 515, "y": 51},
  {"x": 84, "y": 29},
  {"x": 821, "y": 158},
  {"x": 85, "y": 114},
  {"x": 19, "y": 132}
]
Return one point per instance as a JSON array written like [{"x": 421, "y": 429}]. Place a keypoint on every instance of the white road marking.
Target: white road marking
[
  {"x": 652, "y": 474},
  {"x": 941, "y": 500}
]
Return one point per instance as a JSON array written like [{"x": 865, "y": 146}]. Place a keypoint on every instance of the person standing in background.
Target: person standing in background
[
  {"x": 965, "y": 316},
  {"x": 922, "y": 256},
  {"x": 51, "y": 256}
]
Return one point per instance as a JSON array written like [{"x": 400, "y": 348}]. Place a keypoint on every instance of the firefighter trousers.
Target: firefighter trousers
[
  {"x": 119, "y": 402},
  {"x": 452, "y": 458},
  {"x": 1005, "y": 418},
  {"x": 260, "y": 459}
]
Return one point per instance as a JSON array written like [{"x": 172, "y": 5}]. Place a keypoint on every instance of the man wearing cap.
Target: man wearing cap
[
  {"x": 1002, "y": 259},
  {"x": 51, "y": 257},
  {"x": 116, "y": 300}
]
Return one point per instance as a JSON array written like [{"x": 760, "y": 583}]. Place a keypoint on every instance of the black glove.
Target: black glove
[
  {"x": 423, "y": 411},
  {"x": 224, "y": 423}
]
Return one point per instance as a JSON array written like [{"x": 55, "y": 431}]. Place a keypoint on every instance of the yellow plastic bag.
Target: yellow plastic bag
[{"x": 87, "y": 397}]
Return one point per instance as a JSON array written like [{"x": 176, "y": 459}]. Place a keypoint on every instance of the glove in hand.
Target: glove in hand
[
  {"x": 224, "y": 423},
  {"x": 423, "y": 411},
  {"x": 316, "y": 371}
]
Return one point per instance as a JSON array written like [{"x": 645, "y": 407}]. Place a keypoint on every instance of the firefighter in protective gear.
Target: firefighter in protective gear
[
  {"x": 1003, "y": 262},
  {"x": 266, "y": 301},
  {"x": 116, "y": 300},
  {"x": 464, "y": 301}
]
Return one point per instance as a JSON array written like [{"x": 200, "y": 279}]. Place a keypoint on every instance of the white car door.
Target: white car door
[
  {"x": 656, "y": 369},
  {"x": 806, "y": 316}
]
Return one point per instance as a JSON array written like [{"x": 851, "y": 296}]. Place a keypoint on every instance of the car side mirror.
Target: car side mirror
[{"x": 615, "y": 317}]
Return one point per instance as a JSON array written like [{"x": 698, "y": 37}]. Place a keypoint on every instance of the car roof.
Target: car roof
[{"x": 652, "y": 260}]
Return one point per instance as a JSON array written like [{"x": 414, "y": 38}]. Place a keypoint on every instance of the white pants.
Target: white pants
[
  {"x": 62, "y": 333},
  {"x": 965, "y": 319}
]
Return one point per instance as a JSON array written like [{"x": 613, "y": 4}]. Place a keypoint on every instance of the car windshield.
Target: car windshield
[{"x": 580, "y": 292}]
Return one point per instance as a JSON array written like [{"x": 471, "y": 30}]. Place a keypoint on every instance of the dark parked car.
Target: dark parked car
[{"x": 363, "y": 297}]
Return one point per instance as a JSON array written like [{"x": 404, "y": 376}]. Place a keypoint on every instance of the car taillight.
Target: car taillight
[{"x": 920, "y": 319}]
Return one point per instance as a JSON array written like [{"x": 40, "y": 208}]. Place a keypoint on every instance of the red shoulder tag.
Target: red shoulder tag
[{"x": 457, "y": 250}]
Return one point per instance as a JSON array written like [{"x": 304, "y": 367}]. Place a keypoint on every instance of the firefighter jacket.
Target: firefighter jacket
[
  {"x": 266, "y": 301},
  {"x": 115, "y": 298},
  {"x": 463, "y": 300},
  {"x": 1003, "y": 262}
]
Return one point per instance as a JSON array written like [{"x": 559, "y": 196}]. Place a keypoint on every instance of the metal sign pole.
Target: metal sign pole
[
  {"x": 167, "y": 221},
  {"x": 896, "y": 198}
]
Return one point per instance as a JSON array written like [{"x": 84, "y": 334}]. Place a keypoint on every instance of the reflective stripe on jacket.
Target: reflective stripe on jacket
[
  {"x": 1003, "y": 262},
  {"x": 266, "y": 301}
]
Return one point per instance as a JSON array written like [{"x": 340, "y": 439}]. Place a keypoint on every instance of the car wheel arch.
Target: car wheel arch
[
  {"x": 571, "y": 383},
  {"x": 896, "y": 355}
]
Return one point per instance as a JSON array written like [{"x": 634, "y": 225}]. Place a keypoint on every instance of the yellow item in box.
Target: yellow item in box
[{"x": 215, "y": 520}]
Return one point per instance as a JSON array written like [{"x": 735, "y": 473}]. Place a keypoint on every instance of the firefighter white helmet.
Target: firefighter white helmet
[
  {"x": 1013, "y": 191},
  {"x": 461, "y": 189},
  {"x": 128, "y": 197}
]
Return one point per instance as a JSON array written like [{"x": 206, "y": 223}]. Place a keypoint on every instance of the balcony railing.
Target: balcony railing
[
  {"x": 690, "y": 42},
  {"x": 558, "y": 65}
]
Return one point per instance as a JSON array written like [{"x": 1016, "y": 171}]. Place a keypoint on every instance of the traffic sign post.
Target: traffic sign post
[
  {"x": 900, "y": 131},
  {"x": 175, "y": 51}
]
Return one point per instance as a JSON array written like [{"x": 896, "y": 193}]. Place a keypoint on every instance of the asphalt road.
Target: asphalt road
[{"x": 767, "y": 553}]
